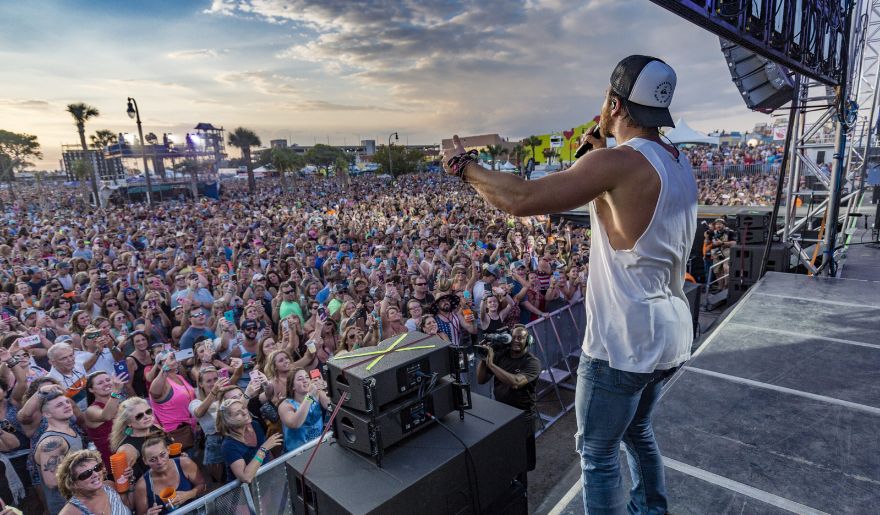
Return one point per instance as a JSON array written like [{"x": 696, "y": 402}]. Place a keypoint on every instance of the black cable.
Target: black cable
[
  {"x": 469, "y": 462},
  {"x": 781, "y": 179}
]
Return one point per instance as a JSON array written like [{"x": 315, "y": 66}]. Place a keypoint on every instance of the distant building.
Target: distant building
[
  {"x": 478, "y": 142},
  {"x": 108, "y": 168},
  {"x": 278, "y": 143},
  {"x": 369, "y": 146}
]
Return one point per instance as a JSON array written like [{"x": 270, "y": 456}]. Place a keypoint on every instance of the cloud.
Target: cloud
[
  {"x": 519, "y": 67},
  {"x": 265, "y": 82},
  {"x": 199, "y": 53},
  {"x": 14, "y": 103},
  {"x": 322, "y": 105}
]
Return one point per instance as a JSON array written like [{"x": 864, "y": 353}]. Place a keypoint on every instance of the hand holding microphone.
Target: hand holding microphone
[{"x": 590, "y": 140}]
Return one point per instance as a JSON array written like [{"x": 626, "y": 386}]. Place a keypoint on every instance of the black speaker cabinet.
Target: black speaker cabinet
[
  {"x": 752, "y": 236},
  {"x": 432, "y": 473},
  {"x": 376, "y": 376},
  {"x": 754, "y": 219},
  {"x": 374, "y": 434}
]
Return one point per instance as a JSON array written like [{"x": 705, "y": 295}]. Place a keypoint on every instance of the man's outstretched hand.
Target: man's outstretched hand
[{"x": 457, "y": 148}]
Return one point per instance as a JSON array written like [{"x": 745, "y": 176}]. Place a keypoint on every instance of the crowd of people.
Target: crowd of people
[
  {"x": 173, "y": 345},
  {"x": 179, "y": 339},
  {"x": 704, "y": 157},
  {"x": 751, "y": 190}
]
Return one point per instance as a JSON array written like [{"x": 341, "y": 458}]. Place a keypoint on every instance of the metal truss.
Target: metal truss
[{"x": 853, "y": 145}]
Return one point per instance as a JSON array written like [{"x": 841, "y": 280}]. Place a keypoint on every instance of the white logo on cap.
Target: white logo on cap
[{"x": 663, "y": 92}]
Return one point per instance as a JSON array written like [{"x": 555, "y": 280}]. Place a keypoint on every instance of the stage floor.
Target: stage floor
[{"x": 779, "y": 410}]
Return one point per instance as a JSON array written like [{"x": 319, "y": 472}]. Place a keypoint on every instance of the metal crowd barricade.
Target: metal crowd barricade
[
  {"x": 558, "y": 341},
  {"x": 269, "y": 493}
]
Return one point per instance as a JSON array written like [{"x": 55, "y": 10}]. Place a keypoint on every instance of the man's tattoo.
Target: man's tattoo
[
  {"x": 50, "y": 445},
  {"x": 52, "y": 464}
]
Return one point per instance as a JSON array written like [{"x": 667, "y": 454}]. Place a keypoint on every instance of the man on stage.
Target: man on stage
[{"x": 644, "y": 216}]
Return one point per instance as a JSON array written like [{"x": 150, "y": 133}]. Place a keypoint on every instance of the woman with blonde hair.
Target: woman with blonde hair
[
  {"x": 131, "y": 427},
  {"x": 81, "y": 480},
  {"x": 204, "y": 409},
  {"x": 278, "y": 367}
]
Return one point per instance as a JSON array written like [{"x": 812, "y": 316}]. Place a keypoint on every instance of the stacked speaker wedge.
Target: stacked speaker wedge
[
  {"x": 753, "y": 228},
  {"x": 390, "y": 391}
]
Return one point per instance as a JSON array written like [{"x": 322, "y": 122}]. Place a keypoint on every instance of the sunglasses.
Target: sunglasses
[
  {"x": 287, "y": 292},
  {"x": 82, "y": 476},
  {"x": 140, "y": 416},
  {"x": 421, "y": 284}
]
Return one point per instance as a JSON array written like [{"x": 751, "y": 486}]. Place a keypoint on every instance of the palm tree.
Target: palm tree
[
  {"x": 81, "y": 169},
  {"x": 533, "y": 141},
  {"x": 81, "y": 113},
  {"x": 244, "y": 139},
  {"x": 102, "y": 138},
  {"x": 494, "y": 151},
  {"x": 341, "y": 168},
  {"x": 519, "y": 154},
  {"x": 285, "y": 161}
]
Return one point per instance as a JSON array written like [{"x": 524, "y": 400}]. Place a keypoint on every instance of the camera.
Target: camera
[{"x": 497, "y": 341}]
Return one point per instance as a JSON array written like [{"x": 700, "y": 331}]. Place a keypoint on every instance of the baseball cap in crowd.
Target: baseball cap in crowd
[
  {"x": 249, "y": 324},
  {"x": 91, "y": 332},
  {"x": 647, "y": 85},
  {"x": 27, "y": 312},
  {"x": 62, "y": 264},
  {"x": 64, "y": 338},
  {"x": 492, "y": 270},
  {"x": 257, "y": 277},
  {"x": 516, "y": 265}
]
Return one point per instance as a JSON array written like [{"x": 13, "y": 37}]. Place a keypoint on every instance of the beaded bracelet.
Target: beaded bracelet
[{"x": 459, "y": 162}]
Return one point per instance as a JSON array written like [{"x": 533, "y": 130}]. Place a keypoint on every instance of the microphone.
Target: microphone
[{"x": 587, "y": 146}]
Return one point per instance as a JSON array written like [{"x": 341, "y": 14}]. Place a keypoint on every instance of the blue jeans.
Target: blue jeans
[{"x": 613, "y": 406}]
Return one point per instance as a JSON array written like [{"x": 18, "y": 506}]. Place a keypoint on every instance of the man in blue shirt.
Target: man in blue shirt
[{"x": 198, "y": 318}]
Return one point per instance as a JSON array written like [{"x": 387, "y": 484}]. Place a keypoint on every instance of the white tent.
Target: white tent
[
  {"x": 682, "y": 133},
  {"x": 506, "y": 166}
]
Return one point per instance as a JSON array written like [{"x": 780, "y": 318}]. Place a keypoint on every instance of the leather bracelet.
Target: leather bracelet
[{"x": 264, "y": 450}]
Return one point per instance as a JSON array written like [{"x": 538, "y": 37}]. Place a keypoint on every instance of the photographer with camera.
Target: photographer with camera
[
  {"x": 506, "y": 358},
  {"x": 717, "y": 241}
]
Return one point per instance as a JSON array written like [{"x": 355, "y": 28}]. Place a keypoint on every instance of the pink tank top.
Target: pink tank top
[{"x": 175, "y": 411}]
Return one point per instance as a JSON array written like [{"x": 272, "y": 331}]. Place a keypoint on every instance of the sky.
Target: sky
[{"x": 327, "y": 70}]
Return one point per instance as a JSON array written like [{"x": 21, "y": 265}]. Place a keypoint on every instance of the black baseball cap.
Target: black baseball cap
[{"x": 646, "y": 84}]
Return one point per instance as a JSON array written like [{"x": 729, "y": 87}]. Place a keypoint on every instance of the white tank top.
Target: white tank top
[{"x": 638, "y": 317}]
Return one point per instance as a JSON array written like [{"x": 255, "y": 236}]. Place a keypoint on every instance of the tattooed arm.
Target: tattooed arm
[{"x": 49, "y": 454}]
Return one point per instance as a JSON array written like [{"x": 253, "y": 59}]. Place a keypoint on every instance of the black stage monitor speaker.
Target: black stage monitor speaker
[
  {"x": 372, "y": 435},
  {"x": 754, "y": 219},
  {"x": 376, "y": 376},
  {"x": 763, "y": 84},
  {"x": 432, "y": 473}
]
